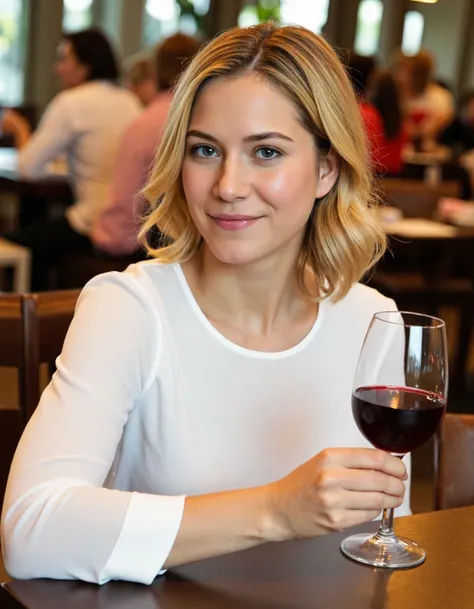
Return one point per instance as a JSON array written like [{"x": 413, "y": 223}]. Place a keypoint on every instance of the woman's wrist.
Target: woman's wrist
[{"x": 271, "y": 525}]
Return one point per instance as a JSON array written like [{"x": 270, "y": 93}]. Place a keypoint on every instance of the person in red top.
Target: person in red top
[
  {"x": 361, "y": 71},
  {"x": 386, "y": 98}
]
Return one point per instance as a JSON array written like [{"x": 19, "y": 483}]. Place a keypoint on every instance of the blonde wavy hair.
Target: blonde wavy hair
[{"x": 343, "y": 238}]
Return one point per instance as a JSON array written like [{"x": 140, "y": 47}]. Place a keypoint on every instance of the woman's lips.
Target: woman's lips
[{"x": 237, "y": 222}]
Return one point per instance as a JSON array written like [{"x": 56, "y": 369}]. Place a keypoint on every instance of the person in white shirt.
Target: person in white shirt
[
  {"x": 429, "y": 107},
  {"x": 202, "y": 401},
  {"x": 84, "y": 123}
]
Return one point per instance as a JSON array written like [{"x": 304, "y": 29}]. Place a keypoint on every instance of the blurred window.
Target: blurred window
[
  {"x": 413, "y": 27},
  {"x": 257, "y": 11},
  {"x": 369, "y": 21},
  {"x": 77, "y": 15},
  {"x": 166, "y": 17},
  {"x": 312, "y": 15},
  {"x": 13, "y": 41}
]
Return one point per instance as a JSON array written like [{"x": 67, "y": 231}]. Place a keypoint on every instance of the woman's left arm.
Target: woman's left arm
[
  {"x": 16, "y": 125},
  {"x": 50, "y": 139}
]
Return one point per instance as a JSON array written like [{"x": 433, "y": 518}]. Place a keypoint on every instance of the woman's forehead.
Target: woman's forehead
[{"x": 248, "y": 99}]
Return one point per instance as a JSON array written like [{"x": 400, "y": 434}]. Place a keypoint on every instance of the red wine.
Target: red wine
[{"x": 397, "y": 419}]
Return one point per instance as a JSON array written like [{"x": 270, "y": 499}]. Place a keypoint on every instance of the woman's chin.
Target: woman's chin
[{"x": 235, "y": 255}]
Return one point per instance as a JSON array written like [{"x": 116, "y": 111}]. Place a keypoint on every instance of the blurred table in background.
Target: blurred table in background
[{"x": 50, "y": 192}]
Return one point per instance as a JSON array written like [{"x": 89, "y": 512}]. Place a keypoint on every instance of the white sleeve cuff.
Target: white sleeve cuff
[{"x": 145, "y": 541}]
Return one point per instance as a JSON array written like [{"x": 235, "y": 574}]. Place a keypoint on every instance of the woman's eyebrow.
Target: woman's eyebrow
[
  {"x": 267, "y": 135},
  {"x": 257, "y": 137},
  {"x": 203, "y": 135}
]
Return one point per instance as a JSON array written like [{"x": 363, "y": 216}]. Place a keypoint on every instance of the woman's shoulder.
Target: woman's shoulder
[
  {"x": 143, "y": 282},
  {"x": 362, "y": 299}
]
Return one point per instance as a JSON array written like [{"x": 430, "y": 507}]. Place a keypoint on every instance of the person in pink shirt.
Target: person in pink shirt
[{"x": 115, "y": 231}]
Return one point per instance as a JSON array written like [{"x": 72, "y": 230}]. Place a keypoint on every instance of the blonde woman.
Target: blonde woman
[{"x": 202, "y": 400}]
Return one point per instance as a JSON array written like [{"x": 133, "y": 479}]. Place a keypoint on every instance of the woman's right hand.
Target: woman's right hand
[{"x": 338, "y": 488}]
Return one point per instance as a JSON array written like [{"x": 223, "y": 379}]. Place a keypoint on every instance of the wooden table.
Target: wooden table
[
  {"x": 53, "y": 186},
  {"x": 48, "y": 192},
  {"x": 298, "y": 575},
  {"x": 436, "y": 249}
]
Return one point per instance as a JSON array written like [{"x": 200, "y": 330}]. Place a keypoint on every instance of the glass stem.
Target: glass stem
[{"x": 386, "y": 526}]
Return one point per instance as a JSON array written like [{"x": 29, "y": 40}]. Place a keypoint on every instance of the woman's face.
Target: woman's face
[
  {"x": 70, "y": 70},
  {"x": 251, "y": 171}
]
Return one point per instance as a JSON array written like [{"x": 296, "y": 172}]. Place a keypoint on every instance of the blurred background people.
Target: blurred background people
[
  {"x": 140, "y": 76},
  {"x": 386, "y": 99},
  {"x": 84, "y": 123},
  {"x": 115, "y": 230},
  {"x": 429, "y": 106},
  {"x": 459, "y": 134},
  {"x": 362, "y": 72}
]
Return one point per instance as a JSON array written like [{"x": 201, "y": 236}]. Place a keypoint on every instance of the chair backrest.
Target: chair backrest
[
  {"x": 46, "y": 319},
  {"x": 415, "y": 198},
  {"x": 11, "y": 333},
  {"x": 454, "y": 462},
  {"x": 32, "y": 332},
  {"x": 12, "y": 421}
]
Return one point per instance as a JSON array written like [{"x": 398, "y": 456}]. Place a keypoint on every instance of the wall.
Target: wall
[{"x": 444, "y": 34}]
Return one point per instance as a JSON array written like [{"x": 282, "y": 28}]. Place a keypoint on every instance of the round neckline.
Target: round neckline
[{"x": 235, "y": 347}]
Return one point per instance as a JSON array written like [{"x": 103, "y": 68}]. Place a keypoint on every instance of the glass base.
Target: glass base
[{"x": 387, "y": 551}]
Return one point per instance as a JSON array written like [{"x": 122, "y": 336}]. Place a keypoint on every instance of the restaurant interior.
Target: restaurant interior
[{"x": 411, "y": 63}]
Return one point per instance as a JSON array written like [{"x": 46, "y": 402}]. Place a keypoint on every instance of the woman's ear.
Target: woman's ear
[{"x": 328, "y": 173}]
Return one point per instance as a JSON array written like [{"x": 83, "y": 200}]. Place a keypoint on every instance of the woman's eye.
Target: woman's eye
[
  {"x": 203, "y": 152},
  {"x": 267, "y": 154}
]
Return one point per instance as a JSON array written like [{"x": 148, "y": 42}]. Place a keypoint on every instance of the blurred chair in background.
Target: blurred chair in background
[{"x": 454, "y": 462}]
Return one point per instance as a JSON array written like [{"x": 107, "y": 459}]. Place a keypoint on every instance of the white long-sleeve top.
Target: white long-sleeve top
[
  {"x": 150, "y": 403},
  {"x": 85, "y": 124}
]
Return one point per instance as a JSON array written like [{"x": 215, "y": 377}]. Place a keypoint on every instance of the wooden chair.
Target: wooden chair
[
  {"x": 32, "y": 332},
  {"x": 46, "y": 319},
  {"x": 415, "y": 198},
  {"x": 454, "y": 462},
  {"x": 12, "y": 421}
]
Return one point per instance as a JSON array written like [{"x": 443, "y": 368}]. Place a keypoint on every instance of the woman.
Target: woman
[
  {"x": 193, "y": 412},
  {"x": 386, "y": 100},
  {"x": 84, "y": 123}
]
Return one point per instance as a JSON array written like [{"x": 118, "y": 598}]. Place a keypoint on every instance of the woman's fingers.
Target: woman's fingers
[
  {"x": 370, "y": 501},
  {"x": 362, "y": 480},
  {"x": 367, "y": 458}
]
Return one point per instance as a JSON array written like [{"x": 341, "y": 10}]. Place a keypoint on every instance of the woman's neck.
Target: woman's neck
[{"x": 260, "y": 300}]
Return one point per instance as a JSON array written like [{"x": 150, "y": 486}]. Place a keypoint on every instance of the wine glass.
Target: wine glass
[{"x": 398, "y": 402}]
